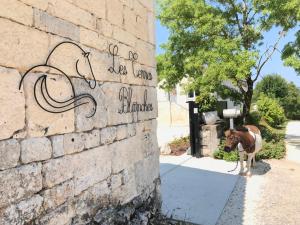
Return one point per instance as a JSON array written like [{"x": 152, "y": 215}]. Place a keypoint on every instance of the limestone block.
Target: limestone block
[
  {"x": 21, "y": 47},
  {"x": 89, "y": 201},
  {"x": 122, "y": 132},
  {"x": 113, "y": 117},
  {"x": 75, "y": 14},
  {"x": 115, "y": 181},
  {"x": 16, "y": 10},
  {"x": 99, "y": 120},
  {"x": 140, "y": 9},
  {"x": 12, "y": 110},
  {"x": 56, "y": 171},
  {"x": 93, "y": 39},
  {"x": 146, "y": 53},
  {"x": 35, "y": 149},
  {"x": 58, "y": 195},
  {"x": 131, "y": 129},
  {"x": 108, "y": 135},
  {"x": 40, "y": 4},
  {"x": 124, "y": 37},
  {"x": 19, "y": 183},
  {"x": 130, "y": 20},
  {"x": 41, "y": 122},
  {"x": 60, "y": 216},
  {"x": 92, "y": 139},
  {"x": 104, "y": 27},
  {"x": 151, "y": 28},
  {"x": 22, "y": 213},
  {"x": 54, "y": 25},
  {"x": 142, "y": 27},
  {"x": 115, "y": 12},
  {"x": 30, "y": 209},
  {"x": 9, "y": 154},
  {"x": 146, "y": 171},
  {"x": 149, "y": 4},
  {"x": 95, "y": 7},
  {"x": 57, "y": 145},
  {"x": 128, "y": 3},
  {"x": 73, "y": 142},
  {"x": 127, "y": 191},
  {"x": 96, "y": 167},
  {"x": 126, "y": 153}
]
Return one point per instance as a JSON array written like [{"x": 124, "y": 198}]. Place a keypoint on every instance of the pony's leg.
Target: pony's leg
[
  {"x": 253, "y": 161},
  {"x": 250, "y": 157},
  {"x": 241, "y": 154}
]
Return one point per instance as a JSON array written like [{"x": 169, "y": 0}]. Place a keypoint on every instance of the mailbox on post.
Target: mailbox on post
[{"x": 231, "y": 114}]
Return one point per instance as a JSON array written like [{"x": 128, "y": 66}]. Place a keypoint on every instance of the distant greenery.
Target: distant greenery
[
  {"x": 270, "y": 110},
  {"x": 287, "y": 94}
]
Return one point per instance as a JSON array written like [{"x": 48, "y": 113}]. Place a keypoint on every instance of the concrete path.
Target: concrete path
[
  {"x": 293, "y": 141},
  {"x": 270, "y": 197},
  {"x": 195, "y": 190}
]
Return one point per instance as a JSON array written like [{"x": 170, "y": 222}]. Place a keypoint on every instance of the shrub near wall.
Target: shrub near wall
[{"x": 73, "y": 162}]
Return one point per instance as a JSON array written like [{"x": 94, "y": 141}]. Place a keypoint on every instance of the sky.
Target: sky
[{"x": 275, "y": 65}]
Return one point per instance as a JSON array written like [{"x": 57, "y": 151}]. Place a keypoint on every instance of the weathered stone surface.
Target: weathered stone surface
[
  {"x": 151, "y": 28},
  {"x": 92, "y": 139},
  {"x": 35, "y": 149},
  {"x": 22, "y": 213},
  {"x": 104, "y": 27},
  {"x": 96, "y": 168},
  {"x": 40, "y": 4},
  {"x": 122, "y": 132},
  {"x": 60, "y": 216},
  {"x": 108, "y": 135},
  {"x": 56, "y": 171},
  {"x": 130, "y": 19},
  {"x": 93, "y": 39},
  {"x": 131, "y": 129},
  {"x": 149, "y": 4},
  {"x": 58, "y": 195},
  {"x": 16, "y": 10},
  {"x": 41, "y": 122},
  {"x": 124, "y": 37},
  {"x": 91, "y": 200},
  {"x": 146, "y": 53},
  {"x": 95, "y": 7},
  {"x": 125, "y": 153},
  {"x": 116, "y": 181},
  {"x": 12, "y": 110},
  {"x": 54, "y": 25},
  {"x": 75, "y": 14},
  {"x": 21, "y": 47},
  {"x": 57, "y": 145},
  {"x": 99, "y": 120},
  {"x": 19, "y": 183},
  {"x": 73, "y": 142},
  {"x": 114, "y": 12},
  {"x": 9, "y": 154}
]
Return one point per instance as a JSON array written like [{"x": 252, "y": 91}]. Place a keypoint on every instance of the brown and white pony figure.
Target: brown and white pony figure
[{"x": 248, "y": 140}]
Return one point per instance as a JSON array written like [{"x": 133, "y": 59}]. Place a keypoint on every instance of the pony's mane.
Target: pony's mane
[{"x": 242, "y": 128}]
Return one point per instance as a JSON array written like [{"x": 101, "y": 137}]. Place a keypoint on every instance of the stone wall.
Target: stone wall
[{"x": 91, "y": 147}]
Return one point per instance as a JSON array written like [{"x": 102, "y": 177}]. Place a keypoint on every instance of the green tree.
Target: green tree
[
  {"x": 270, "y": 110},
  {"x": 291, "y": 54},
  {"x": 291, "y": 102},
  {"x": 217, "y": 40},
  {"x": 273, "y": 86}
]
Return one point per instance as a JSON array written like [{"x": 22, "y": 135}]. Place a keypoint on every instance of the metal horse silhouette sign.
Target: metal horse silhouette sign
[{"x": 49, "y": 103}]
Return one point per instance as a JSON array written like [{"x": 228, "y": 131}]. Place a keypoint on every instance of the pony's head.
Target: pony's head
[
  {"x": 232, "y": 140},
  {"x": 84, "y": 69}
]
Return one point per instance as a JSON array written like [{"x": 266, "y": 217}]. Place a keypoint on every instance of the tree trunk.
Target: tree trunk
[{"x": 247, "y": 100}]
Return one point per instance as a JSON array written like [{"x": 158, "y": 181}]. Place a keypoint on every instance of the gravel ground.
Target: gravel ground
[{"x": 270, "y": 197}]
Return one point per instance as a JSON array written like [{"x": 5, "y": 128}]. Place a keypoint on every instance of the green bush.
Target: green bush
[
  {"x": 272, "y": 150},
  {"x": 221, "y": 154},
  {"x": 207, "y": 101},
  {"x": 270, "y": 110}
]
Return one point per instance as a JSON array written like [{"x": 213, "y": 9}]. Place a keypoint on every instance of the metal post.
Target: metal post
[{"x": 192, "y": 130}]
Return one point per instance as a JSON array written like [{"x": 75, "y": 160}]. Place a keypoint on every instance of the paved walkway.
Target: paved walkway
[
  {"x": 195, "y": 190},
  {"x": 201, "y": 191}
]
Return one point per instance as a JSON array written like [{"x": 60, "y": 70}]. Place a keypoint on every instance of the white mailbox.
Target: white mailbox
[{"x": 231, "y": 113}]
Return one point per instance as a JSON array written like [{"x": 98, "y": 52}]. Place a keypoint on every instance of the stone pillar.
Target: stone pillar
[
  {"x": 77, "y": 126},
  {"x": 210, "y": 136}
]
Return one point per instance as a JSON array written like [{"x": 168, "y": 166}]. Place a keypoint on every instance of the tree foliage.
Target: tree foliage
[
  {"x": 217, "y": 40},
  {"x": 287, "y": 94}
]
